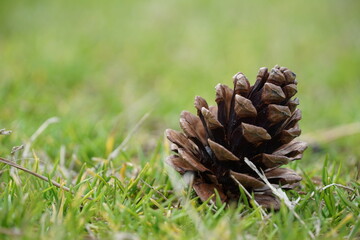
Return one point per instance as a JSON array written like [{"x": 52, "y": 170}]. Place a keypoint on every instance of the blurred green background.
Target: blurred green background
[{"x": 101, "y": 65}]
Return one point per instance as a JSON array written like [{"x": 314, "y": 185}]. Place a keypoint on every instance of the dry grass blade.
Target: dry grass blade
[
  {"x": 157, "y": 191},
  {"x": 5, "y": 132},
  {"x": 14, "y": 232},
  {"x": 116, "y": 152},
  {"x": 12, "y": 164},
  {"x": 56, "y": 184},
  {"x": 37, "y": 133},
  {"x": 16, "y": 149},
  {"x": 334, "y": 185},
  {"x": 263, "y": 213},
  {"x": 280, "y": 194},
  {"x": 337, "y": 185},
  {"x": 332, "y": 134}
]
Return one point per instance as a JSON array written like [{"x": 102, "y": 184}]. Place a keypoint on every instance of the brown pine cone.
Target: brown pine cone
[{"x": 256, "y": 122}]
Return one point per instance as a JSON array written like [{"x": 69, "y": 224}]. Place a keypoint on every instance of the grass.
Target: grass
[{"x": 100, "y": 67}]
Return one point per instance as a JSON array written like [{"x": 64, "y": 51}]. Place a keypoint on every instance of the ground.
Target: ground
[{"x": 118, "y": 73}]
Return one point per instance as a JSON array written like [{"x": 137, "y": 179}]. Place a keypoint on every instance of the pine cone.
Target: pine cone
[{"x": 256, "y": 122}]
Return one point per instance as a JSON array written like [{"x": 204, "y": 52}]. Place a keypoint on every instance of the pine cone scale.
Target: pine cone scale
[{"x": 221, "y": 153}]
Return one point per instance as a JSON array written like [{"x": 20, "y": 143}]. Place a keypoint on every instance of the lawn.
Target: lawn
[{"x": 116, "y": 74}]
